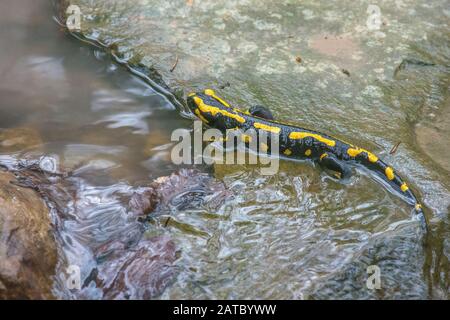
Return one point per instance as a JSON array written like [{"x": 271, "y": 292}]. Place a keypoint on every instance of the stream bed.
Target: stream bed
[{"x": 70, "y": 108}]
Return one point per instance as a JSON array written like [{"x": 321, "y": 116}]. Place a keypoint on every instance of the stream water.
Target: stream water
[{"x": 295, "y": 235}]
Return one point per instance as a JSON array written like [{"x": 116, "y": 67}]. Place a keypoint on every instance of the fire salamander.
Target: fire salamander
[{"x": 299, "y": 143}]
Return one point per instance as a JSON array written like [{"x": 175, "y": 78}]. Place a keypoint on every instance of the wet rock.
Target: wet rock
[
  {"x": 101, "y": 239},
  {"x": 439, "y": 271},
  {"x": 342, "y": 48},
  {"x": 143, "y": 272},
  {"x": 16, "y": 139},
  {"x": 144, "y": 201},
  {"x": 104, "y": 235},
  {"x": 410, "y": 65},
  {"x": 184, "y": 189},
  {"x": 433, "y": 134},
  {"x": 28, "y": 253},
  {"x": 399, "y": 257}
]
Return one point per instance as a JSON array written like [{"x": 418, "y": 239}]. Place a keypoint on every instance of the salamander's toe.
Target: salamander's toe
[{"x": 330, "y": 162}]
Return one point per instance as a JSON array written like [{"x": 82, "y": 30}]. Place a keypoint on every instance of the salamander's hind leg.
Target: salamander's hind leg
[{"x": 330, "y": 162}]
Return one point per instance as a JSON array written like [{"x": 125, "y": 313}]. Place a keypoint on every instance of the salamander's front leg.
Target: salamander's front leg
[
  {"x": 330, "y": 162},
  {"x": 261, "y": 111}
]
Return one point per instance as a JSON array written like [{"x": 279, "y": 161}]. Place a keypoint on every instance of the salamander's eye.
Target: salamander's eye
[{"x": 210, "y": 92}]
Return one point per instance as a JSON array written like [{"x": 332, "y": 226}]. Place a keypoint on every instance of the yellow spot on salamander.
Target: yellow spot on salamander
[
  {"x": 302, "y": 135},
  {"x": 372, "y": 157},
  {"x": 404, "y": 187},
  {"x": 287, "y": 152},
  {"x": 418, "y": 206},
  {"x": 191, "y": 94},
  {"x": 215, "y": 110},
  {"x": 323, "y": 155},
  {"x": 389, "y": 173},
  {"x": 308, "y": 152},
  {"x": 211, "y": 93},
  {"x": 199, "y": 114},
  {"x": 355, "y": 151},
  {"x": 265, "y": 127},
  {"x": 246, "y": 138}
]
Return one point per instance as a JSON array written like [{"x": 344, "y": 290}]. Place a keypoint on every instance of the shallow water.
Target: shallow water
[
  {"x": 297, "y": 234},
  {"x": 70, "y": 108}
]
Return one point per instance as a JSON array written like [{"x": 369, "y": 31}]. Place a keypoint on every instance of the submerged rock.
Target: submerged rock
[
  {"x": 184, "y": 189},
  {"x": 99, "y": 231},
  {"x": 28, "y": 254},
  {"x": 399, "y": 261},
  {"x": 144, "y": 201},
  {"x": 433, "y": 134},
  {"x": 141, "y": 268},
  {"x": 143, "y": 272}
]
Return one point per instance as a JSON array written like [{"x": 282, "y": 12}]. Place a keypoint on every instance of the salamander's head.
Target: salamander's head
[{"x": 205, "y": 105}]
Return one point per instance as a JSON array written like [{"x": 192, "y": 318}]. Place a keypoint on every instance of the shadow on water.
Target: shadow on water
[{"x": 298, "y": 234}]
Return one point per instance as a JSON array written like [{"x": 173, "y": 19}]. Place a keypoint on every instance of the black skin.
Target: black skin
[
  {"x": 330, "y": 162},
  {"x": 262, "y": 112}
]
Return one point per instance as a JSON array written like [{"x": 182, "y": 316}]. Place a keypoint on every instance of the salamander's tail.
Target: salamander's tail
[{"x": 394, "y": 181}]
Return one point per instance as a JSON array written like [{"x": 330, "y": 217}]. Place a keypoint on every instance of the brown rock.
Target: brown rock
[
  {"x": 432, "y": 137},
  {"x": 27, "y": 247},
  {"x": 143, "y": 202},
  {"x": 337, "y": 46},
  {"x": 343, "y": 49},
  {"x": 142, "y": 272},
  {"x": 183, "y": 189}
]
